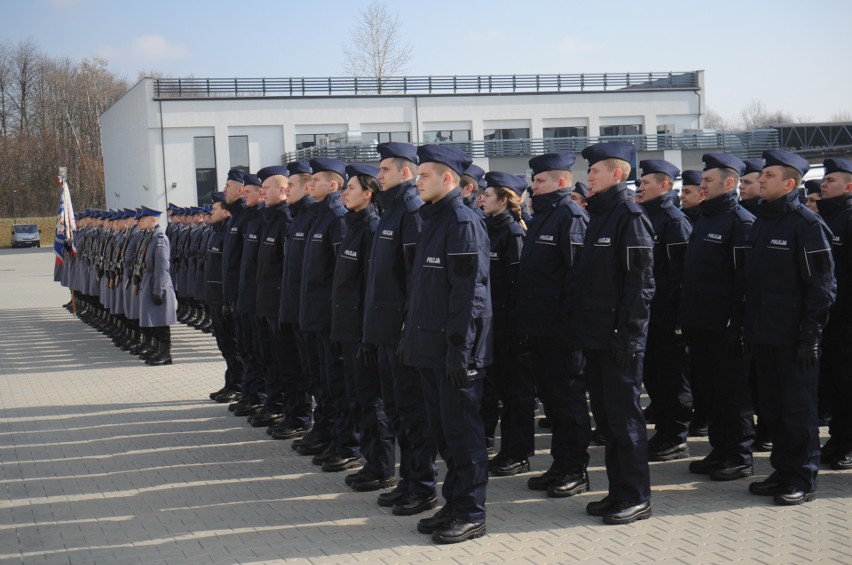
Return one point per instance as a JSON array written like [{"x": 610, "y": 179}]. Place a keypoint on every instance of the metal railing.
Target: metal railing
[
  {"x": 455, "y": 84},
  {"x": 746, "y": 145}
]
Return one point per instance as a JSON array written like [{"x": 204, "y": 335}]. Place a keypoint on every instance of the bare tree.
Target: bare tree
[
  {"x": 756, "y": 116},
  {"x": 375, "y": 48},
  {"x": 841, "y": 116},
  {"x": 714, "y": 120}
]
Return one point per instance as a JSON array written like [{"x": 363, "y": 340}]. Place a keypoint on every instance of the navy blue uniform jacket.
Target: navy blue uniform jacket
[
  {"x": 323, "y": 243},
  {"x": 449, "y": 309},
  {"x": 615, "y": 281},
  {"x": 391, "y": 261},
  {"x": 789, "y": 275}
]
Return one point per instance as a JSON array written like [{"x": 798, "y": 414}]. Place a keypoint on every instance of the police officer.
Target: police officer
[
  {"x": 813, "y": 194},
  {"x": 749, "y": 185},
  {"x": 278, "y": 350},
  {"x": 790, "y": 287},
  {"x": 470, "y": 183},
  {"x": 321, "y": 251},
  {"x": 363, "y": 388},
  {"x": 251, "y": 351},
  {"x": 615, "y": 286},
  {"x": 711, "y": 314},
  {"x": 388, "y": 287},
  {"x": 157, "y": 302},
  {"x": 503, "y": 381},
  {"x": 223, "y": 328},
  {"x": 663, "y": 372},
  {"x": 446, "y": 337},
  {"x": 580, "y": 194},
  {"x": 543, "y": 312},
  {"x": 691, "y": 198},
  {"x": 835, "y": 207},
  {"x": 297, "y": 424},
  {"x": 232, "y": 254}
]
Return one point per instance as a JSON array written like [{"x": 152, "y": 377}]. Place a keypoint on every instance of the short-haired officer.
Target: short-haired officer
[
  {"x": 543, "y": 307},
  {"x": 789, "y": 290},
  {"x": 711, "y": 315},
  {"x": 835, "y": 207},
  {"x": 446, "y": 336},
  {"x": 610, "y": 317},
  {"x": 663, "y": 374}
]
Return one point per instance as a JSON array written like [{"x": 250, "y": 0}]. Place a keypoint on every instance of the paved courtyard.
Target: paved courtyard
[{"x": 106, "y": 460}]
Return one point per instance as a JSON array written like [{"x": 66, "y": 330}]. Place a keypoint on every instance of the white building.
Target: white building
[{"x": 175, "y": 139}]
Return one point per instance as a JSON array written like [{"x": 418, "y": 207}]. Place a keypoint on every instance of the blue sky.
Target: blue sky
[{"x": 791, "y": 55}]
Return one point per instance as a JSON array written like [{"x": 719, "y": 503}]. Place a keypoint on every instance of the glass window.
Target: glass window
[
  {"x": 239, "y": 154},
  {"x": 578, "y": 131},
  {"x": 621, "y": 130},
  {"x": 437, "y": 136},
  {"x": 506, "y": 133},
  {"x": 205, "y": 168},
  {"x": 376, "y": 137},
  {"x": 305, "y": 140}
]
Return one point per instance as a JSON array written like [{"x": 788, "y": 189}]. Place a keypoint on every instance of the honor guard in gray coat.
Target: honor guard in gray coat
[
  {"x": 545, "y": 299},
  {"x": 157, "y": 303},
  {"x": 711, "y": 315},
  {"x": 835, "y": 207},
  {"x": 615, "y": 285},
  {"x": 131, "y": 302},
  {"x": 388, "y": 287},
  {"x": 447, "y": 337},
  {"x": 665, "y": 356},
  {"x": 789, "y": 290}
]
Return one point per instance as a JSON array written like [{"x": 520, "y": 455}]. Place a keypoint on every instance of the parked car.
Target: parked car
[{"x": 26, "y": 235}]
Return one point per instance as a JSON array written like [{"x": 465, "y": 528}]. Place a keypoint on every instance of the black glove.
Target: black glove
[
  {"x": 227, "y": 311},
  {"x": 457, "y": 376},
  {"x": 337, "y": 349},
  {"x": 368, "y": 354},
  {"x": 736, "y": 344},
  {"x": 623, "y": 357},
  {"x": 807, "y": 355},
  {"x": 158, "y": 297}
]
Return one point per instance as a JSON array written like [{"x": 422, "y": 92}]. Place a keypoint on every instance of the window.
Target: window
[
  {"x": 376, "y": 137},
  {"x": 621, "y": 130},
  {"x": 437, "y": 136},
  {"x": 506, "y": 142},
  {"x": 506, "y": 133},
  {"x": 579, "y": 131},
  {"x": 239, "y": 154},
  {"x": 205, "y": 168},
  {"x": 305, "y": 140}
]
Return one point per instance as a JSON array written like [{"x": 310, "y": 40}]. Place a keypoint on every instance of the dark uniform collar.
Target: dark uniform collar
[
  {"x": 353, "y": 218},
  {"x": 603, "y": 201},
  {"x": 236, "y": 205},
  {"x": 664, "y": 201},
  {"x": 300, "y": 206},
  {"x": 504, "y": 218},
  {"x": 388, "y": 198},
  {"x": 722, "y": 203},
  {"x": 545, "y": 202},
  {"x": 451, "y": 200},
  {"x": 779, "y": 206},
  {"x": 828, "y": 206},
  {"x": 751, "y": 204}
]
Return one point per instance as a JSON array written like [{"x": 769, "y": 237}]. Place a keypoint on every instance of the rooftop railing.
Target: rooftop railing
[
  {"x": 745, "y": 145},
  {"x": 455, "y": 84}
]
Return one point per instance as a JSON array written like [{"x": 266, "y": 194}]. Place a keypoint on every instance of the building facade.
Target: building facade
[{"x": 175, "y": 139}]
